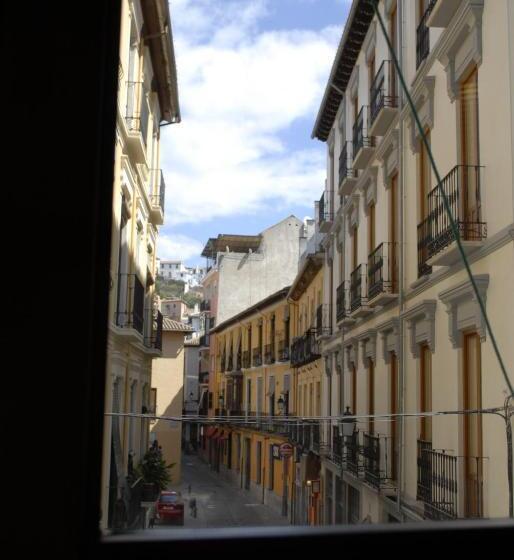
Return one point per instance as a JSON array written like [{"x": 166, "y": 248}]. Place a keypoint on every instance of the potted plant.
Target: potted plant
[{"x": 154, "y": 473}]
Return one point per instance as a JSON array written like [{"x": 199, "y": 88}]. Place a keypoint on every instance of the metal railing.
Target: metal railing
[
  {"x": 382, "y": 92},
  {"x": 155, "y": 338},
  {"x": 337, "y": 447},
  {"x": 443, "y": 477},
  {"x": 360, "y": 131},
  {"x": 269, "y": 353},
  {"x": 382, "y": 270},
  {"x": 256, "y": 357},
  {"x": 358, "y": 296},
  {"x": 377, "y": 463},
  {"x": 324, "y": 214},
  {"x": 157, "y": 199},
  {"x": 353, "y": 461},
  {"x": 130, "y": 303},
  {"x": 323, "y": 319},
  {"x": 423, "y": 36},
  {"x": 345, "y": 162},
  {"x": 137, "y": 113},
  {"x": 305, "y": 349},
  {"x": 342, "y": 301},
  {"x": 423, "y": 242},
  {"x": 462, "y": 189}
]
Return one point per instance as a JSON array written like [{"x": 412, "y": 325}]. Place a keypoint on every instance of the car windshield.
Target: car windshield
[{"x": 169, "y": 499}]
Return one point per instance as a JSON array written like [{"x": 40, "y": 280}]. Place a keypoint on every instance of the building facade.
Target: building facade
[
  {"x": 168, "y": 388},
  {"x": 406, "y": 333},
  {"x": 147, "y": 96},
  {"x": 177, "y": 270}
]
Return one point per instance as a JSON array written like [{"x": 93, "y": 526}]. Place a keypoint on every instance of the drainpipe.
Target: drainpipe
[{"x": 401, "y": 349}]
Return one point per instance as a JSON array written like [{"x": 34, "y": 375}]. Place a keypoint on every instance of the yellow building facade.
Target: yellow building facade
[{"x": 147, "y": 96}]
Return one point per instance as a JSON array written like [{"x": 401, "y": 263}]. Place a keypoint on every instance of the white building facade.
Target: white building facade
[{"x": 403, "y": 329}]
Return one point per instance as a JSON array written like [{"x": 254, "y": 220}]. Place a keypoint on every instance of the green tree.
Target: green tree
[{"x": 153, "y": 469}]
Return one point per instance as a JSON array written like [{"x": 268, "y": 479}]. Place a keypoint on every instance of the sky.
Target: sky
[{"x": 251, "y": 77}]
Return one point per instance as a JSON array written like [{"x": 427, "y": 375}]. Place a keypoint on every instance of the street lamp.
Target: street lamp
[{"x": 347, "y": 425}]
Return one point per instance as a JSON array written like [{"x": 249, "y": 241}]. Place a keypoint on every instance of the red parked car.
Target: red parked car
[{"x": 170, "y": 506}]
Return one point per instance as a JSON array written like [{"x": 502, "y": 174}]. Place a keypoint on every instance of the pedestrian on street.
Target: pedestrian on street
[{"x": 192, "y": 507}]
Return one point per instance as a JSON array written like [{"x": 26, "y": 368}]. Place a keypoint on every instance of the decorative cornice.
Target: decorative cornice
[
  {"x": 386, "y": 329},
  {"x": 368, "y": 344},
  {"x": 350, "y": 349},
  {"x": 463, "y": 308},
  {"x": 422, "y": 312}
]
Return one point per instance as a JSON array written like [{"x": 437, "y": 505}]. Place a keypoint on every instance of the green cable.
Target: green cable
[{"x": 454, "y": 228}]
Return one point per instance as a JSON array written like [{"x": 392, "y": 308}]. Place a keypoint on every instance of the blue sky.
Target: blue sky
[{"x": 251, "y": 76}]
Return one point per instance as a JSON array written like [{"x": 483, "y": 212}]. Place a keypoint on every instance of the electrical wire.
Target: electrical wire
[{"x": 453, "y": 225}]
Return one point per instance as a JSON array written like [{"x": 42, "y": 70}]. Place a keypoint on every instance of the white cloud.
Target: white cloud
[
  {"x": 239, "y": 90},
  {"x": 178, "y": 246}
]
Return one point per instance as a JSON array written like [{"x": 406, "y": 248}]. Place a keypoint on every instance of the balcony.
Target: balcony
[
  {"x": 347, "y": 175},
  {"x": 323, "y": 320},
  {"x": 423, "y": 35},
  {"x": 305, "y": 349},
  {"x": 383, "y": 99},
  {"x": 246, "y": 359},
  {"x": 462, "y": 190},
  {"x": 157, "y": 200},
  {"x": 363, "y": 143},
  {"x": 377, "y": 460},
  {"x": 336, "y": 455},
  {"x": 129, "y": 313},
  {"x": 353, "y": 455},
  {"x": 154, "y": 340},
  {"x": 358, "y": 293},
  {"x": 325, "y": 216},
  {"x": 449, "y": 486},
  {"x": 423, "y": 241},
  {"x": 205, "y": 305},
  {"x": 383, "y": 274},
  {"x": 269, "y": 354},
  {"x": 442, "y": 13},
  {"x": 136, "y": 120},
  {"x": 256, "y": 357},
  {"x": 283, "y": 350}
]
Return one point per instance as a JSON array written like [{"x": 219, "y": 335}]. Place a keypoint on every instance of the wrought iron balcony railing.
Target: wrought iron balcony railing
[
  {"x": 345, "y": 163},
  {"x": 342, "y": 301},
  {"x": 130, "y": 303},
  {"x": 449, "y": 486},
  {"x": 423, "y": 36},
  {"x": 337, "y": 447},
  {"x": 158, "y": 198},
  {"x": 283, "y": 350},
  {"x": 462, "y": 189},
  {"x": 256, "y": 357},
  {"x": 361, "y": 138},
  {"x": 423, "y": 243},
  {"x": 358, "y": 295},
  {"x": 154, "y": 340},
  {"x": 353, "y": 455},
  {"x": 383, "y": 270},
  {"x": 382, "y": 91},
  {"x": 137, "y": 113},
  {"x": 246, "y": 359},
  {"x": 305, "y": 349},
  {"x": 324, "y": 212},
  {"x": 323, "y": 320},
  {"x": 376, "y": 451},
  {"x": 269, "y": 354}
]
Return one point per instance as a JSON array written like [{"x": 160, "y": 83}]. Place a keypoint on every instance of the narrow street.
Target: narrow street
[{"x": 219, "y": 503}]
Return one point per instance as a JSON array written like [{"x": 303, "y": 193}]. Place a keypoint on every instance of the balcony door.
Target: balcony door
[
  {"x": 371, "y": 396},
  {"x": 393, "y": 23},
  {"x": 469, "y": 178},
  {"x": 394, "y": 225},
  {"x": 393, "y": 405},
  {"x": 472, "y": 393}
]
